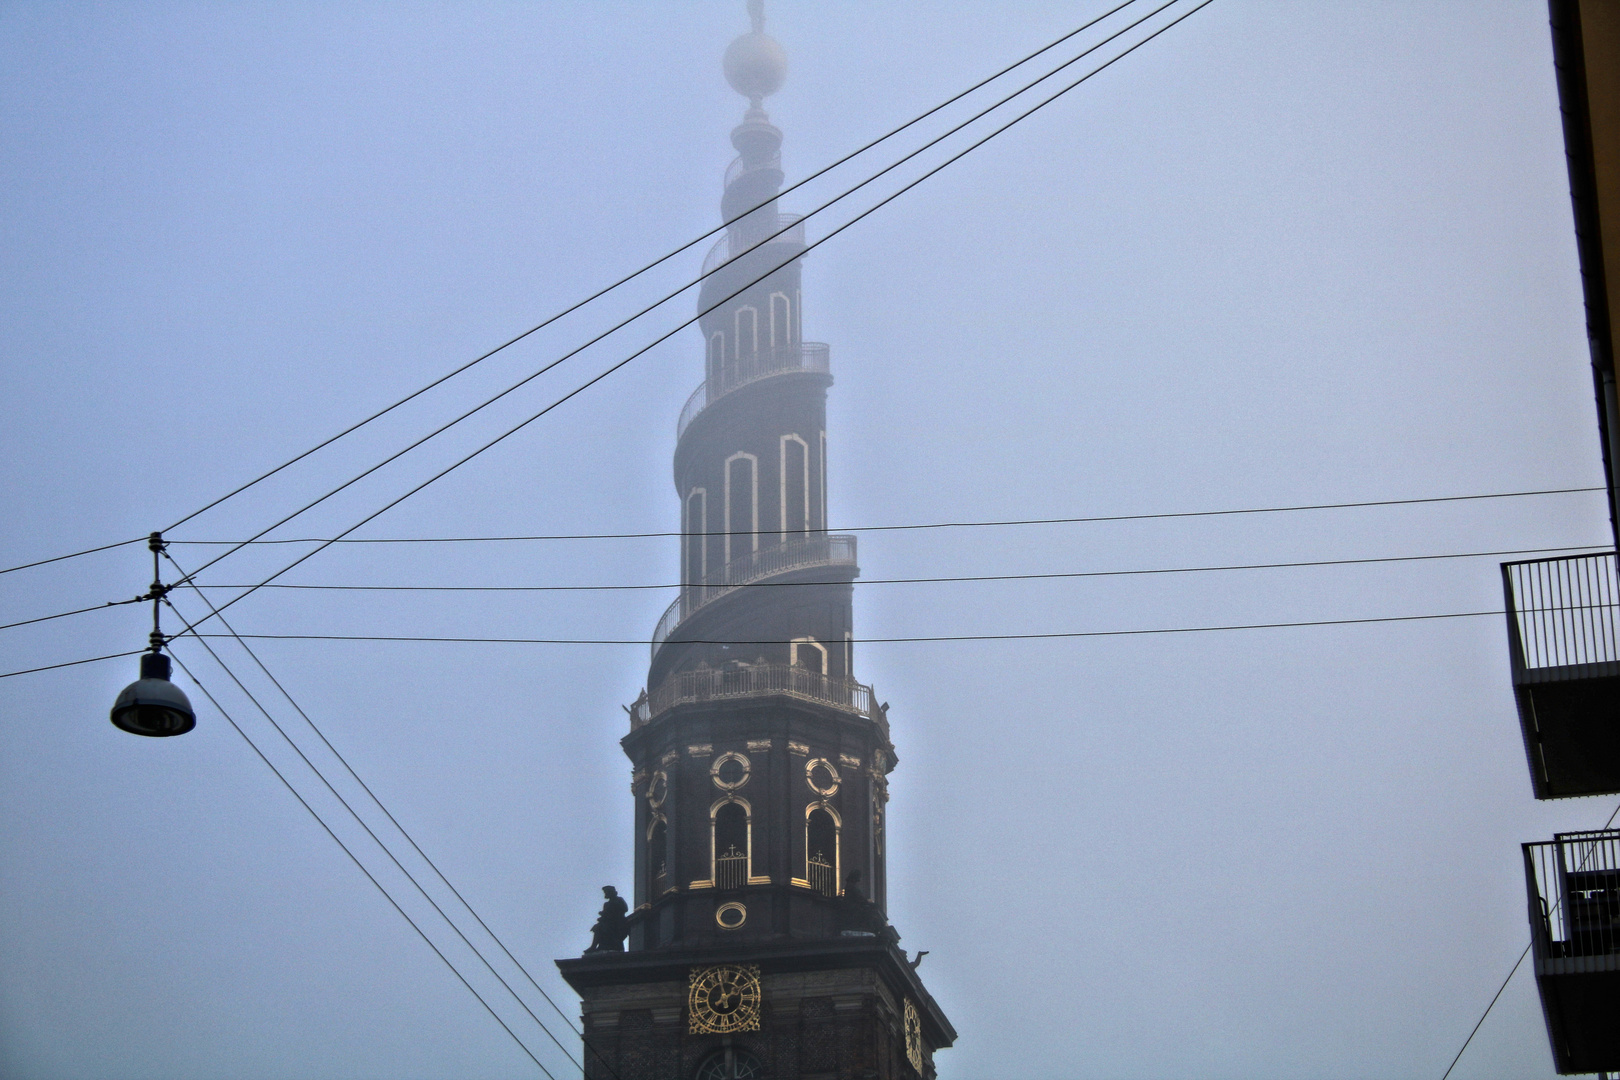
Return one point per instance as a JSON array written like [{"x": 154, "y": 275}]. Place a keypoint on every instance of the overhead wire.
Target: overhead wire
[
  {"x": 1081, "y": 574},
  {"x": 73, "y": 555},
  {"x": 71, "y": 663},
  {"x": 630, "y": 277},
  {"x": 917, "y": 639},
  {"x": 76, "y": 611},
  {"x": 880, "y": 528},
  {"x": 952, "y": 579},
  {"x": 543, "y": 369},
  {"x": 409, "y": 839},
  {"x": 353, "y": 858},
  {"x": 809, "y": 247},
  {"x": 906, "y": 527},
  {"x": 1512, "y": 972},
  {"x": 366, "y": 826}
]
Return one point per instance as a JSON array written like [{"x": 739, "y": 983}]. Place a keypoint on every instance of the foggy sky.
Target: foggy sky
[{"x": 1285, "y": 254}]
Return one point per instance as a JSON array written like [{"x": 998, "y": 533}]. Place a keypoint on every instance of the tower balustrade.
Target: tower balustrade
[
  {"x": 1563, "y": 620},
  {"x": 757, "y": 680},
  {"x": 789, "y": 229},
  {"x": 812, "y": 356},
  {"x": 805, "y": 552}
]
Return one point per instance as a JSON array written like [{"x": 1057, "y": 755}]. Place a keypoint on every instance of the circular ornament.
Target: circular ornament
[
  {"x": 822, "y": 777},
  {"x": 658, "y": 789},
  {"x": 723, "y": 999},
  {"x": 730, "y": 771},
  {"x": 731, "y": 916}
]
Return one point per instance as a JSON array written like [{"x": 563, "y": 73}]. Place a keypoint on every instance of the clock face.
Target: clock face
[
  {"x": 914, "y": 1046},
  {"x": 724, "y": 999}
]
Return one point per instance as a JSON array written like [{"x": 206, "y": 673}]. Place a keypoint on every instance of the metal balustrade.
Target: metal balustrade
[
  {"x": 1563, "y": 620},
  {"x": 755, "y": 680},
  {"x": 735, "y": 374},
  {"x": 731, "y": 869},
  {"x": 1573, "y": 885},
  {"x": 822, "y": 875},
  {"x": 738, "y": 166},
  {"x": 1562, "y": 612},
  {"x": 739, "y": 241},
  {"x": 815, "y": 549}
]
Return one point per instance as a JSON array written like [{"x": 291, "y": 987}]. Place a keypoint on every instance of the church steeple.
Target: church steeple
[{"x": 759, "y": 764}]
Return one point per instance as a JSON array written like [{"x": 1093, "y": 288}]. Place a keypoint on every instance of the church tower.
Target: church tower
[{"x": 758, "y": 944}]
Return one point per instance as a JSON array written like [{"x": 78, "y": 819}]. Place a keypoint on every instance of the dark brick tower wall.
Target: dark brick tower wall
[{"x": 759, "y": 764}]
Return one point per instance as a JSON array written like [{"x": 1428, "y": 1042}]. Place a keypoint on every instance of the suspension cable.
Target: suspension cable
[
  {"x": 627, "y": 278},
  {"x": 353, "y": 858}
]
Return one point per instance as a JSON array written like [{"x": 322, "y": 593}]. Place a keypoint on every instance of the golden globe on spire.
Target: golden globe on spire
[{"x": 754, "y": 63}]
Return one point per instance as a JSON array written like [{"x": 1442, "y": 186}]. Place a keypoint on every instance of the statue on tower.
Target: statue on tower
[{"x": 612, "y": 923}]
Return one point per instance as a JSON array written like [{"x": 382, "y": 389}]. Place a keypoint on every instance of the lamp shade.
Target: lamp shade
[{"x": 152, "y": 705}]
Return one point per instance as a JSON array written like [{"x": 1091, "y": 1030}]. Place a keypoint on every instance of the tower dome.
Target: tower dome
[{"x": 755, "y": 64}]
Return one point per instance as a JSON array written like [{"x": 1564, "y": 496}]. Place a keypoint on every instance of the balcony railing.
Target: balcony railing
[
  {"x": 822, "y": 876},
  {"x": 816, "y": 549},
  {"x": 738, "y": 166},
  {"x": 1574, "y": 892},
  {"x": 806, "y": 356},
  {"x": 754, "y": 680},
  {"x": 737, "y": 240},
  {"x": 731, "y": 869},
  {"x": 1563, "y": 620},
  {"x": 1562, "y": 614}
]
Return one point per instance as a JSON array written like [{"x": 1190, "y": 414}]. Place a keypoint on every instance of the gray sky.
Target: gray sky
[{"x": 1287, "y": 253}]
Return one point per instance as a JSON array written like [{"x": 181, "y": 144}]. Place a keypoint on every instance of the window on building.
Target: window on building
[
  {"x": 822, "y": 501},
  {"x": 808, "y": 653},
  {"x": 657, "y": 857},
  {"x": 731, "y": 841},
  {"x": 795, "y": 486},
  {"x": 697, "y": 540},
  {"x": 730, "y": 1064},
  {"x": 742, "y": 505},
  {"x": 821, "y": 850},
  {"x": 781, "y": 321},
  {"x": 747, "y": 332},
  {"x": 716, "y": 363}
]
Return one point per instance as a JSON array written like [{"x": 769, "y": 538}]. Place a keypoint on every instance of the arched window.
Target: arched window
[
  {"x": 730, "y": 1064},
  {"x": 716, "y": 362},
  {"x": 657, "y": 857},
  {"x": 808, "y": 653},
  {"x": 747, "y": 332},
  {"x": 821, "y": 863},
  {"x": 795, "y": 486},
  {"x": 781, "y": 321},
  {"x": 731, "y": 838},
  {"x": 696, "y": 536},
  {"x": 849, "y": 656},
  {"x": 822, "y": 501},
  {"x": 742, "y": 505}
]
